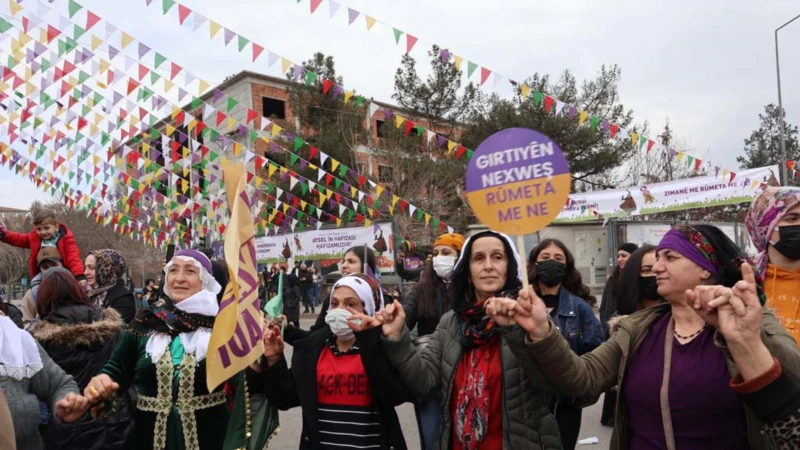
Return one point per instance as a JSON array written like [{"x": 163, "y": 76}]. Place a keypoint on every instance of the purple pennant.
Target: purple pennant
[
  {"x": 288, "y": 135},
  {"x": 112, "y": 52},
  {"x": 143, "y": 49},
  {"x": 441, "y": 140},
  {"x": 156, "y": 153},
  {"x": 117, "y": 97},
  {"x": 29, "y": 56},
  {"x": 303, "y": 164},
  {"x": 225, "y": 142},
  {"x": 716, "y": 171},
  {"x": 385, "y": 207},
  {"x": 181, "y": 94},
  {"x": 571, "y": 112},
  {"x": 331, "y": 203},
  {"x": 35, "y": 66},
  {"x": 242, "y": 130},
  {"x": 85, "y": 90},
  {"x": 39, "y": 48},
  {"x": 147, "y": 2},
  {"x": 228, "y": 36},
  {"x": 274, "y": 148},
  {"x": 605, "y": 126},
  {"x": 513, "y": 83},
  {"x": 182, "y": 138},
  {"x": 672, "y": 154},
  {"x": 213, "y": 177},
  {"x": 348, "y": 203},
  {"x": 218, "y": 95},
  {"x": 299, "y": 71},
  {"x": 337, "y": 91},
  {"x": 289, "y": 197},
  {"x": 445, "y": 55},
  {"x": 387, "y": 114},
  {"x": 346, "y": 187},
  {"x": 352, "y": 15},
  {"x": 284, "y": 177},
  {"x": 273, "y": 58}
]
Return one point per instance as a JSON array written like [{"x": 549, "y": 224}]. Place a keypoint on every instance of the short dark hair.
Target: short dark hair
[
  {"x": 148, "y": 281},
  {"x": 43, "y": 216}
]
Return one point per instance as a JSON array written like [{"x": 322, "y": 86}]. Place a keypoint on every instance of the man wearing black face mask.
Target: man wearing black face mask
[
  {"x": 773, "y": 222},
  {"x": 553, "y": 275}
]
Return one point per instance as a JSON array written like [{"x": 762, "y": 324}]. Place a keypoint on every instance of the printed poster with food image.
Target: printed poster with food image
[{"x": 328, "y": 246}]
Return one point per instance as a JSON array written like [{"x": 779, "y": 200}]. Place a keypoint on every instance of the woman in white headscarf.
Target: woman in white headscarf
[
  {"x": 163, "y": 352},
  {"x": 340, "y": 378}
]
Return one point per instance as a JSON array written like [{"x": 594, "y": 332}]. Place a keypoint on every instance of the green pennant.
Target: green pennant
[
  {"x": 11, "y": 62},
  {"x": 338, "y": 183},
  {"x": 469, "y": 154},
  {"x": 167, "y": 5},
  {"x": 135, "y": 184},
  {"x": 537, "y": 98},
  {"x": 74, "y": 7},
  {"x": 471, "y": 66},
  {"x": 397, "y": 34},
  {"x": 214, "y": 156},
  {"x": 303, "y": 188},
  {"x": 420, "y": 214},
  {"x": 196, "y": 102},
  {"x": 302, "y": 226},
  {"x": 45, "y": 65},
  {"x": 155, "y": 134},
  {"x": 37, "y": 122},
  {"x": 83, "y": 76},
  {"x": 298, "y": 142},
  {"x": 435, "y": 222},
  {"x": 689, "y": 161},
  {"x": 362, "y": 209},
  {"x": 231, "y": 103},
  {"x": 242, "y": 42},
  {"x": 40, "y": 152},
  {"x": 376, "y": 204},
  {"x": 97, "y": 98},
  {"x": 420, "y": 129},
  {"x": 343, "y": 170},
  {"x": 310, "y": 77},
  {"x": 78, "y": 32},
  {"x": 312, "y": 209},
  {"x": 159, "y": 59},
  {"x": 154, "y": 76},
  {"x": 359, "y": 101},
  {"x": 85, "y": 110},
  {"x": 253, "y": 135},
  {"x": 594, "y": 121},
  {"x": 300, "y": 216},
  {"x": 5, "y": 25},
  {"x": 350, "y": 215},
  {"x": 292, "y": 159}
]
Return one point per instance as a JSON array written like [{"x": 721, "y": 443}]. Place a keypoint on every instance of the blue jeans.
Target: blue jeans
[
  {"x": 430, "y": 419},
  {"x": 315, "y": 289}
]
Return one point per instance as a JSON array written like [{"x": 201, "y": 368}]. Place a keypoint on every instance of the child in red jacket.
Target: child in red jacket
[{"x": 47, "y": 232}]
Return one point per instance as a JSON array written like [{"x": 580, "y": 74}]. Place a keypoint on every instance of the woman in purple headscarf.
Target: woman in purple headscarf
[{"x": 673, "y": 369}]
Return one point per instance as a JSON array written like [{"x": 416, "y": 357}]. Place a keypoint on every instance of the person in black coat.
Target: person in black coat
[
  {"x": 13, "y": 313},
  {"x": 291, "y": 300},
  {"x": 104, "y": 272},
  {"x": 79, "y": 338},
  {"x": 341, "y": 379}
]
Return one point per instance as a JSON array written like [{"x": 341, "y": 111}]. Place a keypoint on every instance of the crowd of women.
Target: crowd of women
[{"x": 695, "y": 348}]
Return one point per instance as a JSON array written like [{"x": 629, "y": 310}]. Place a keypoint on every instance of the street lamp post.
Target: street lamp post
[{"x": 784, "y": 178}]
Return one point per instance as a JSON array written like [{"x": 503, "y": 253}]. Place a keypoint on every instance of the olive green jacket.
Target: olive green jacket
[{"x": 606, "y": 366}]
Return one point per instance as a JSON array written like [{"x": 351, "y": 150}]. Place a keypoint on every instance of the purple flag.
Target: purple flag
[
  {"x": 352, "y": 15},
  {"x": 143, "y": 49},
  {"x": 228, "y": 36},
  {"x": 445, "y": 55},
  {"x": 218, "y": 95},
  {"x": 572, "y": 111}
]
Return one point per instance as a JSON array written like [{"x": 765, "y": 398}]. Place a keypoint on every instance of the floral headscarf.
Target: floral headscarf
[
  {"x": 765, "y": 212},
  {"x": 110, "y": 267}
]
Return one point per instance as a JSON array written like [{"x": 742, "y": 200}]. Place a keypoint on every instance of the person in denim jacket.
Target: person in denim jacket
[{"x": 552, "y": 272}]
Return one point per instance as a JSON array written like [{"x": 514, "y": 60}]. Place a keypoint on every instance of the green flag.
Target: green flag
[{"x": 274, "y": 306}]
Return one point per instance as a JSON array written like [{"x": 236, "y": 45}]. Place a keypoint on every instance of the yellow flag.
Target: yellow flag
[
  {"x": 634, "y": 139},
  {"x": 583, "y": 116},
  {"x": 370, "y": 22},
  {"x": 347, "y": 96},
  {"x": 285, "y": 64},
  {"x": 334, "y": 165},
  {"x": 526, "y": 90},
  {"x": 96, "y": 42},
  {"x": 398, "y": 120},
  {"x": 14, "y": 7},
  {"x": 213, "y": 28},
  {"x": 458, "y": 60},
  {"x": 125, "y": 40}
]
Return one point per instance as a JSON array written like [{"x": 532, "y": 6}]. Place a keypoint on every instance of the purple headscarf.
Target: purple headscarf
[{"x": 690, "y": 243}]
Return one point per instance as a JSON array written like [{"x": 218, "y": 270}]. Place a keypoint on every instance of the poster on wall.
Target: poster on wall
[
  {"x": 675, "y": 195},
  {"x": 328, "y": 246}
]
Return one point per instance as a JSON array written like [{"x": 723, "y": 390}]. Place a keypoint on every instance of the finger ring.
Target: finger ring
[{"x": 93, "y": 390}]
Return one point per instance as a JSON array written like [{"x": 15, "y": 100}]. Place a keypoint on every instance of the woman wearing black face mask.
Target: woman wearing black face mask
[
  {"x": 773, "y": 222},
  {"x": 552, "y": 272}
]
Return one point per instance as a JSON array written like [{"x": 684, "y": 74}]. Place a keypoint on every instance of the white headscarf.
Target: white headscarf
[
  {"x": 365, "y": 291},
  {"x": 19, "y": 354}
]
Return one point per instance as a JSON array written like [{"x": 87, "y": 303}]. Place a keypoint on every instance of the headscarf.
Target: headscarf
[
  {"x": 19, "y": 353},
  {"x": 191, "y": 319},
  {"x": 367, "y": 288},
  {"x": 692, "y": 244},
  {"x": 110, "y": 267},
  {"x": 453, "y": 240},
  {"x": 763, "y": 216}
]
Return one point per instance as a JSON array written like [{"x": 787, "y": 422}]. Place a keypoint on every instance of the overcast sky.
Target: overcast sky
[{"x": 707, "y": 66}]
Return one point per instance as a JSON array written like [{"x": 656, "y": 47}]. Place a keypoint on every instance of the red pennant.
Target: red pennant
[
  {"x": 614, "y": 128},
  {"x": 142, "y": 71},
  {"x": 220, "y": 117},
  {"x": 650, "y": 144},
  {"x": 249, "y": 177},
  {"x": 410, "y": 41},
  {"x": 25, "y": 24},
  {"x": 409, "y": 127},
  {"x": 485, "y": 74},
  {"x": 460, "y": 151},
  {"x": 313, "y": 152},
  {"x": 790, "y": 165},
  {"x": 81, "y": 123},
  {"x": 259, "y": 162},
  {"x": 91, "y": 20},
  {"x": 361, "y": 180},
  {"x": 203, "y": 151},
  {"x": 257, "y": 50},
  {"x": 326, "y": 86},
  {"x": 697, "y": 164},
  {"x": 403, "y": 205},
  {"x": 26, "y": 114},
  {"x": 110, "y": 77},
  {"x": 123, "y": 113},
  {"x": 52, "y": 33},
  {"x": 142, "y": 113},
  {"x": 328, "y": 179},
  {"x": 183, "y": 13},
  {"x": 68, "y": 67},
  {"x": 176, "y": 69},
  {"x": 132, "y": 85},
  {"x": 442, "y": 226},
  {"x": 251, "y": 115},
  {"x": 200, "y": 127},
  {"x": 180, "y": 117},
  {"x": 314, "y": 5},
  {"x": 359, "y": 219},
  {"x": 548, "y": 103},
  {"x": 733, "y": 175}
]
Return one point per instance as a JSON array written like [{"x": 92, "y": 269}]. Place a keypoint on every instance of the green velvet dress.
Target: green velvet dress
[{"x": 174, "y": 410}]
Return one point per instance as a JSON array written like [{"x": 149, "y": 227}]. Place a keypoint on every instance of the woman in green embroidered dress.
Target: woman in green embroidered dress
[{"x": 162, "y": 354}]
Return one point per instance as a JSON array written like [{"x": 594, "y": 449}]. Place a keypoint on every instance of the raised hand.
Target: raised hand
[
  {"x": 705, "y": 300},
  {"x": 504, "y": 310},
  {"x": 273, "y": 344},
  {"x": 100, "y": 388},
  {"x": 360, "y": 321},
  {"x": 72, "y": 407},
  {"x": 393, "y": 319},
  {"x": 537, "y": 321}
]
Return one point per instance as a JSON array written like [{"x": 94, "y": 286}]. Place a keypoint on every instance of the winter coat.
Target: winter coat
[
  {"x": 80, "y": 339},
  {"x": 120, "y": 299},
  {"x": 527, "y": 422},
  {"x": 577, "y": 323},
  {"x": 291, "y": 303},
  {"x": 13, "y": 313},
  {"x": 288, "y": 388},
  {"x": 7, "y": 441},
  {"x": 50, "y": 384},
  {"x": 425, "y": 325},
  {"x": 608, "y": 304},
  {"x": 70, "y": 254},
  {"x": 293, "y": 334},
  {"x": 28, "y": 307},
  {"x": 597, "y": 371}
]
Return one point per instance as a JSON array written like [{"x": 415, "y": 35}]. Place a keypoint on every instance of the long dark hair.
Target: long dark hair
[
  {"x": 426, "y": 291},
  {"x": 573, "y": 281},
  {"x": 628, "y": 300},
  {"x": 727, "y": 252},
  {"x": 360, "y": 251},
  {"x": 461, "y": 287},
  {"x": 59, "y": 287}
]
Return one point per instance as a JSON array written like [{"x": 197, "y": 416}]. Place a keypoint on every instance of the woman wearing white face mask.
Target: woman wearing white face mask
[
  {"x": 424, "y": 307},
  {"x": 342, "y": 379}
]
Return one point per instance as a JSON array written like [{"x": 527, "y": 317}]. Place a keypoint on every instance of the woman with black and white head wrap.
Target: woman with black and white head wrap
[{"x": 105, "y": 271}]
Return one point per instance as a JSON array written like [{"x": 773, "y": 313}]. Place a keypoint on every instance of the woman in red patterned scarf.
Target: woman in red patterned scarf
[{"x": 490, "y": 402}]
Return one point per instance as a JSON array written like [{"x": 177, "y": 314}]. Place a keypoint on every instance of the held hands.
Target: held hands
[
  {"x": 528, "y": 311},
  {"x": 273, "y": 344},
  {"x": 735, "y": 312},
  {"x": 72, "y": 407},
  {"x": 100, "y": 388}
]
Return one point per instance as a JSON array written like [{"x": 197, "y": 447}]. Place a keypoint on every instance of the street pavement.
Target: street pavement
[{"x": 292, "y": 422}]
